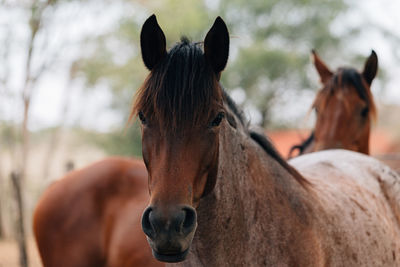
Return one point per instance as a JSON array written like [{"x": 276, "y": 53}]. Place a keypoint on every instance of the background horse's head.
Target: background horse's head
[
  {"x": 181, "y": 108},
  {"x": 344, "y": 106}
]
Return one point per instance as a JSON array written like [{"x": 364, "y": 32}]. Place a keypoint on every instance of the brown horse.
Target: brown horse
[
  {"x": 91, "y": 217},
  {"x": 345, "y": 108},
  {"x": 222, "y": 196}
]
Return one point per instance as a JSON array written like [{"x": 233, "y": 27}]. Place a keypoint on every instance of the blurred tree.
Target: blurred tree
[
  {"x": 125, "y": 142},
  {"x": 275, "y": 36},
  {"x": 35, "y": 9},
  {"x": 25, "y": 54},
  {"x": 116, "y": 59},
  {"x": 270, "y": 47},
  {"x": 57, "y": 133},
  {"x": 276, "y": 39}
]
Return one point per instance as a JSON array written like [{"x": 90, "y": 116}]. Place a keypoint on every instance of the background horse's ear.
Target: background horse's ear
[
  {"x": 324, "y": 73},
  {"x": 152, "y": 42},
  {"x": 370, "y": 67},
  {"x": 216, "y": 45}
]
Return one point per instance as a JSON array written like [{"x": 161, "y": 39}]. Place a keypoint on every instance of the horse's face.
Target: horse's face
[
  {"x": 342, "y": 121},
  {"x": 180, "y": 165},
  {"x": 179, "y": 168},
  {"x": 180, "y": 133},
  {"x": 344, "y": 107}
]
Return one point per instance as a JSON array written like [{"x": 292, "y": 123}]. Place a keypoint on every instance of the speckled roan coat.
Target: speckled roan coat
[
  {"x": 260, "y": 212},
  {"x": 259, "y": 215}
]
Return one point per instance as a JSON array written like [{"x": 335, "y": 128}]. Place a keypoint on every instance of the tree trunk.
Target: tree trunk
[
  {"x": 56, "y": 136},
  {"x": 18, "y": 178},
  {"x": 21, "y": 235},
  {"x": 1, "y": 209},
  {"x": 1, "y": 224}
]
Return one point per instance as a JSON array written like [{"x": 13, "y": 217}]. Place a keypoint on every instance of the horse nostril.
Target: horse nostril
[
  {"x": 181, "y": 221},
  {"x": 189, "y": 222},
  {"x": 147, "y": 226}
]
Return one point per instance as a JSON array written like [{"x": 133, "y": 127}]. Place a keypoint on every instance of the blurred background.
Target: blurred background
[{"x": 69, "y": 71}]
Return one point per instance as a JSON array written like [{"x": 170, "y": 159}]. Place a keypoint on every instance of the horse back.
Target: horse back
[
  {"x": 91, "y": 217},
  {"x": 356, "y": 207}
]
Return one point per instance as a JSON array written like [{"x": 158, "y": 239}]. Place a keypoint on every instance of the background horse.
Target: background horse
[
  {"x": 344, "y": 107},
  {"x": 222, "y": 196},
  {"x": 91, "y": 217},
  {"x": 345, "y": 110}
]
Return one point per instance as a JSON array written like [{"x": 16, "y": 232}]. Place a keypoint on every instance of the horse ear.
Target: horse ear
[
  {"x": 370, "y": 67},
  {"x": 324, "y": 73},
  {"x": 216, "y": 45},
  {"x": 152, "y": 42}
]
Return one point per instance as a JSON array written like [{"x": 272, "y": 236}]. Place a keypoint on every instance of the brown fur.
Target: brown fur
[
  {"x": 344, "y": 107},
  {"x": 257, "y": 215},
  {"x": 91, "y": 217}
]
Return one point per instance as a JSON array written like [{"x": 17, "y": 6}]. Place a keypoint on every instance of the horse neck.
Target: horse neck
[
  {"x": 364, "y": 146},
  {"x": 255, "y": 202}
]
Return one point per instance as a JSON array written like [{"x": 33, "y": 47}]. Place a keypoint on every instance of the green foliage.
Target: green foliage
[
  {"x": 281, "y": 35},
  {"x": 271, "y": 44},
  {"x": 8, "y": 136},
  {"x": 125, "y": 142},
  {"x": 177, "y": 18},
  {"x": 116, "y": 61}
]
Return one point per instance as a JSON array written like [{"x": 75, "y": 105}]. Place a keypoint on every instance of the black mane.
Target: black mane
[
  {"x": 350, "y": 76},
  {"x": 302, "y": 147},
  {"x": 262, "y": 140},
  {"x": 180, "y": 91}
]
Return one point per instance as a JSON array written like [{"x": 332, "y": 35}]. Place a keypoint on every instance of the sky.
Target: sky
[
  {"x": 89, "y": 106},
  {"x": 386, "y": 14}
]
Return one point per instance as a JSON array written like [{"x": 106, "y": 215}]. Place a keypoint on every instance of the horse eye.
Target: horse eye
[
  {"x": 217, "y": 119},
  {"x": 364, "y": 112},
  {"x": 142, "y": 117}
]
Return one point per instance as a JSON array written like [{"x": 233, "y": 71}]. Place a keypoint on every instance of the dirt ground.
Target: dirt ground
[{"x": 9, "y": 254}]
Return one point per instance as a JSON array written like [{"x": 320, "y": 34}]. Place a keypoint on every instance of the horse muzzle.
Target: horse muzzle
[{"x": 170, "y": 234}]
